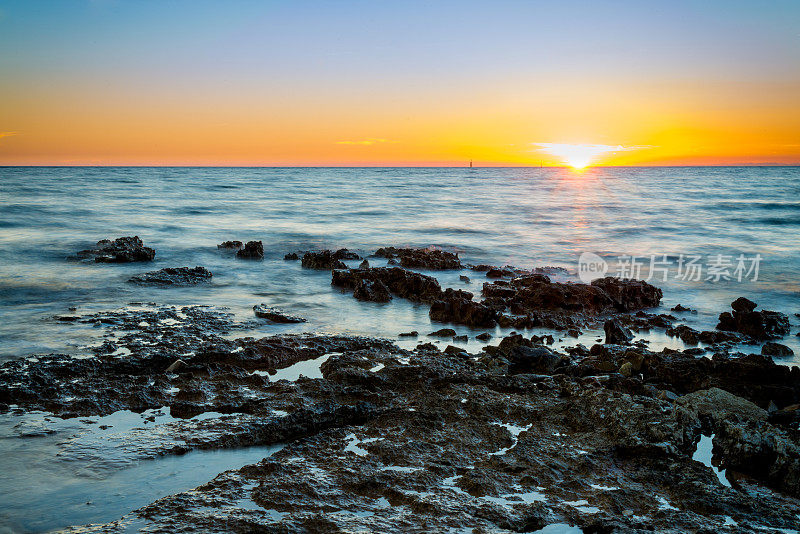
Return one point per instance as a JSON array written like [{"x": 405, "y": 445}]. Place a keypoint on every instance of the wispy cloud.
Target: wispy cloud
[
  {"x": 365, "y": 142},
  {"x": 7, "y": 134}
]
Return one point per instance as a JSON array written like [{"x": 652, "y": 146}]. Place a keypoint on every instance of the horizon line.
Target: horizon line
[{"x": 3, "y": 166}]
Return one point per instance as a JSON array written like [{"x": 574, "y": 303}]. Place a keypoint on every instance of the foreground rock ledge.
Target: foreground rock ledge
[{"x": 391, "y": 440}]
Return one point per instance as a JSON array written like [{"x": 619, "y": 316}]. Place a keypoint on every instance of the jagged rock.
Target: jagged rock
[
  {"x": 687, "y": 334},
  {"x": 616, "y": 334},
  {"x": 776, "y": 349},
  {"x": 743, "y": 305},
  {"x": 253, "y": 250},
  {"x": 275, "y": 315},
  {"x": 422, "y": 258},
  {"x": 536, "y": 293},
  {"x": 323, "y": 260},
  {"x": 363, "y": 265},
  {"x": 456, "y": 306},
  {"x": 372, "y": 290},
  {"x": 121, "y": 250},
  {"x": 292, "y": 256},
  {"x": 759, "y": 325},
  {"x": 401, "y": 282},
  {"x": 231, "y": 245},
  {"x": 179, "y": 276},
  {"x": 680, "y": 308}
]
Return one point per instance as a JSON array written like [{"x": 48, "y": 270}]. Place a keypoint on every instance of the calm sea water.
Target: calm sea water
[{"x": 523, "y": 216}]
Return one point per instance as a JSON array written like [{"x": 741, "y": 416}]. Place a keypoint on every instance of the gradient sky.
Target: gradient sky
[{"x": 398, "y": 83}]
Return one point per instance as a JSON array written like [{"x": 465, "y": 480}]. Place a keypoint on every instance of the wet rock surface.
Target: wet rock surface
[
  {"x": 173, "y": 276},
  {"x": 231, "y": 245},
  {"x": 252, "y": 250},
  {"x": 509, "y": 439},
  {"x": 120, "y": 250},
  {"x": 422, "y": 258},
  {"x": 759, "y": 325},
  {"x": 327, "y": 259}
]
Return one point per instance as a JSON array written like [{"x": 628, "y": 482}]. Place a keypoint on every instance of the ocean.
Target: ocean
[{"x": 740, "y": 224}]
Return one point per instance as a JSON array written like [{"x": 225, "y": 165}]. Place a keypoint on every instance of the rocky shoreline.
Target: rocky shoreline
[{"x": 513, "y": 437}]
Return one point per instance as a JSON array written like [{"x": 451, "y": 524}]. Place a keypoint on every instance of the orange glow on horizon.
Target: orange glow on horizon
[{"x": 85, "y": 126}]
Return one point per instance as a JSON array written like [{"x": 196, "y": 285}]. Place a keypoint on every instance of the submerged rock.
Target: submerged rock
[
  {"x": 292, "y": 256},
  {"x": 180, "y": 276},
  {"x": 275, "y": 314},
  {"x": 422, "y": 258},
  {"x": 253, "y": 250},
  {"x": 121, "y": 250}
]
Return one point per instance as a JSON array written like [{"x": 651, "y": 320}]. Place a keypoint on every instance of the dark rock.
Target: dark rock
[
  {"x": 537, "y": 293},
  {"x": 464, "y": 278},
  {"x": 680, "y": 308},
  {"x": 323, "y": 260},
  {"x": 344, "y": 254},
  {"x": 180, "y": 276},
  {"x": 176, "y": 366},
  {"x": 413, "y": 333},
  {"x": 275, "y": 315},
  {"x": 629, "y": 295},
  {"x": 529, "y": 280},
  {"x": 485, "y": 336},
  {"x": 292, "y": 256},
  {"x": 616, "y": 334},
  {"x": 451, "y": 349},
  {"x": 363, "y": 265},
  {"x": 231, "y": 245},
  {"x": 443, "y": 332},
  {"x": 456, "y": 306},
  {"x": 121, "y": 250},
  {"x": 253, "y": 250},
  {"x": 401, "y": 282},
  {"x": 759, "y": 325},
  {"x": 461, "y": 339},
  {"x": 422, "y": 258},
  {"x": 372, "y": 290},
  {"x": 688, "y": 335},
  {"x": 743, "y": 305},
  {"x": 495, "y": 273},
  {"x": 776, "y": 349},
  {"x": 540, "y": 360}
]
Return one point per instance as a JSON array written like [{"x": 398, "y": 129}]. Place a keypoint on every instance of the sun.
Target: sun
[{"x": 578, "y": 156}]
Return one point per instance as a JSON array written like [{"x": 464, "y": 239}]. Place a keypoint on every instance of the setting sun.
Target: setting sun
[{"x": 581, "y": 156}]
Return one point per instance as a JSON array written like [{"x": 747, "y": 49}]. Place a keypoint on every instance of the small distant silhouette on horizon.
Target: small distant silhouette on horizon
[{"x": 470, "y": 164}]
